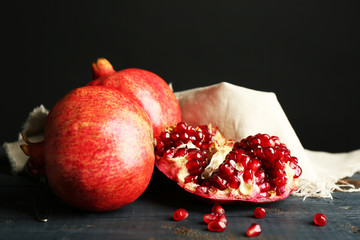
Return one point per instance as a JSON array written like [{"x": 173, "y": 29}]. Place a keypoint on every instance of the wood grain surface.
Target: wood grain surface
[{"x": 150, "y": 216}]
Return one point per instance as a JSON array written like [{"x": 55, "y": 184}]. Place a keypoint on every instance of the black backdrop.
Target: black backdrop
[{"x": 307, "y": 52}]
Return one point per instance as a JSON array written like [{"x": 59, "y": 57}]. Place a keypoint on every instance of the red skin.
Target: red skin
[
  {"x": 98, "y": 149},
  {"x": 147, "y": 89}
]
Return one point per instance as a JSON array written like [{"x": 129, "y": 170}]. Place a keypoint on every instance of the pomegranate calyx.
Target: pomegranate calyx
[
  {"x": 102, "y": 68},
  {"x": 35, "y": 151}
]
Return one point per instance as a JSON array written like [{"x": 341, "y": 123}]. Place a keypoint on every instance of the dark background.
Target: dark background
[{"x": 307, "y": 52}]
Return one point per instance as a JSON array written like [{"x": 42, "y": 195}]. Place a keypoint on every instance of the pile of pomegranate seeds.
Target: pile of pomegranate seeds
[
  {"x": 320, "y": 219},
  {"x": 180, "y": 214},
  {"x": 216, "y": 221}
]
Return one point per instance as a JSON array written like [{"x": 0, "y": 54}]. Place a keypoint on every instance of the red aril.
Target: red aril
[
  {"x": 258, "y": 168},
  {"x": 259, "y": 212},
  {"x": 320, "y": 219},
  {"x": 217, "y": 226},
  {"x": 98, "y": 149},
  {"x": 209, "y": 217},
  {"x": 254, "y": 230},
  {"x": 147, "y": 89},
  {"x": 180, "y": 214},
  {"x": 218, "y": 209}
]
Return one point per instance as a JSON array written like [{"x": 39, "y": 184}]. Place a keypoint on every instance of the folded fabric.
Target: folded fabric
[{"x": 238, "y": 112}]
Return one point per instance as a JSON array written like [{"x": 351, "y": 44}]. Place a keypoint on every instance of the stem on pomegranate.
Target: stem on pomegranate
[
  {"x": 35, "y": 151},
  {"x": 101, "y": 68}
]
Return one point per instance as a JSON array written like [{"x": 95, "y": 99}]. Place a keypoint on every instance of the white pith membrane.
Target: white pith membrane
[{"x": 175, "y": 168}]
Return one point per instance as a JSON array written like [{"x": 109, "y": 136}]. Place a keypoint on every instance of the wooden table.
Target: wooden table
[{"x": 150, "y": 217}]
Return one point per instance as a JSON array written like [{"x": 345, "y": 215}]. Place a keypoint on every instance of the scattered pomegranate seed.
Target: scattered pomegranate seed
[
  {"x": 222, "y": 218},
  {"x": 218, "y": 209},
  {"x": 320, "y": 219},
  {"x": 254, "y": 230},
  {"x": 217, "y": 226},
  {"x": 180, "y": 214},
  {"x": 259, "y": 212},
  {"x": 210, "y": 217}
]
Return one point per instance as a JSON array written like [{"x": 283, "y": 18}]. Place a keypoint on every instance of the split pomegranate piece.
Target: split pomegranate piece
[
  {"x": 258, "y": 168},
  {"x": 180, "y": 214},
  {"x": 254, "y": 230},
  {"x": 320, "y": 219},
  {"x": 259, "y": 212}
]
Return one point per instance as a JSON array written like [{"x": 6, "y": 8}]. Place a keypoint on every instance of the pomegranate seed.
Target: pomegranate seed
[
  {"x": 216, "y": 226},
  {"x": 320, "y": 219},
  {"x": 194, "y": 167},
  {"x": 231, "y": 156},
  {"x": 266, "y": 140},
  {"x": 280, "y": 190},
  {"x": 218, "y": 209},
  {"x": 254, "y": 230},
  {"x": 234, "y": 180},
  {"x": 190, "y": 130},
  {"x": 259, "y": 175},
  {"x": 280, "y": 180},
  {"x": 165, "y": 136},
  {"x": 181, "y": 127},
  {"x": 294, "y": 160},
  {"x": 194, "y": 154},
  {"x": 239, "y": 152},
  {"x": 180, "y": 214},
  {"x": 219, "y": 182},
  {"x": 222, "y": 218},
  {"x": 192, "y": 178},
  {"x": 280, "y": 154},
  {"x": 181, "y": 152},
  {"x": 226, "y": 169},
  {"x": 210, "y": 217},
  {"x": 169, "y": 153},
  {"x": 278, "y": 173},
  {"x": 174, "y": 136},
  {"x": 298, "y": 172},
  {"x": 192, "y": 139},
  {"x": 259, "y": 212},
  {"x": 277, "y": 164},
  {"x": 264, "y": 187},
  {"x": 199, "y": 135},
  {"x": 245, "y": 159},
  {"x": 184, "y": 137},
  {"x": 269, "y": 154},
  {"x": 159, "y": 145},
  {"x": 276, "y": 140},
  {"x": 247, "y": 176},
  {"x": 202, "y": 190},
  {"x": 254, "y": 142}
]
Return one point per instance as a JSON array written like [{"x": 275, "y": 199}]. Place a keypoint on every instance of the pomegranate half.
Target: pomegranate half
[
  {"x": 98, "y": 149},
  {"x": 256, "y": 169},
  {"x": 147, "y": 89}
]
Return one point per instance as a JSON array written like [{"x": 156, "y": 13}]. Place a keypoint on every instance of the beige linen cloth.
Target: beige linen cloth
[{"x": 238, "y": 112}]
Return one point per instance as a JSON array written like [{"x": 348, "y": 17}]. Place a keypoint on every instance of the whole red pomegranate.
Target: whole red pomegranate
[
  {"x": 98, "y": 150},
  {"x": 147, "y": 89},
  {"x": 256, "y": 169}
]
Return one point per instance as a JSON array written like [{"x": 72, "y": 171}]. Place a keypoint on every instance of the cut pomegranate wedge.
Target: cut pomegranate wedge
[{"x": 257, "y": 169}]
